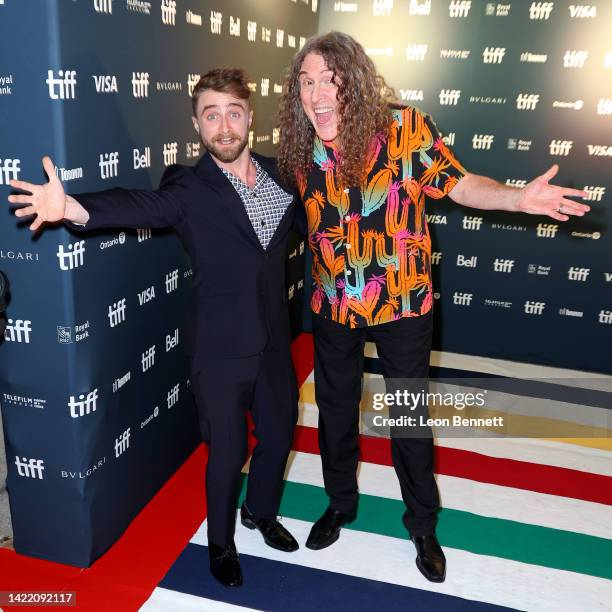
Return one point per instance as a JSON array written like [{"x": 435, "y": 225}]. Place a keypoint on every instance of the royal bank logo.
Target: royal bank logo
[
  {"x": 540, "y": 10},
  {"x": 172, "y": 281},
  {"x": 140, "y": 84},
  {"x": 64, "y": 333},
  {"x": 192, "y": 81},
  {"x": 599, "y": 150},
  {"x": 173, "y": 396},
  {"x": 9, "y": 170},
  {"x": 103, "y": 6},
  {"x": 30, "y": 468},
  {"x": 122, "y": 443},
  {"x": 416, "y": 52},
  {"x": 437, "y": 219},
  {"x": 534, "y": 308},
  {"x": 252, "y": 31},
  {"x": 234, "y": 26},
  {"x": 517, "y": 144},
  {"x": 503, "y": 265},
  {"x": 141, "y": 160},
  {"x": 533, "y": 58},
  {"x": 578, "y": 274},
  {"x": 143, "y": 234},
  {"x": 454, "y": 53},
  {"x": 411, "y": 94},
  {"x": 172, "y": 340},
  {"x": 575, "y": 59},
  {"x": 169, "y": 153},
  {"x": 193, "y": 18},
  {"x": 471, "y": 223},
  {"x": 62, "y": 87},
  {"x": 487, "y": 100},
  {"x": 147, "y": 358},
  {"x": 560, "y": 147},
  {"x": 18, "y": 330},
  {"x": 582, "y": 11},
  {"x": 265, "y": 87},
  {"x": 466, "y": 262},
  {"x": 493, "y": 55},
  {"x": 495, "y": 9},
  {"x": 575, "y": 105},
  {"x": 483, "y": 142},
  {"x": 459, "y": 8},
  {"x": 116, "y": 312},
  {"x": 382, "y": 8},
  {"x": 604, "y": 106},
  {"x": 6, "y": 83},
  {"x": 538, "y": 270},
  {"x": 146, "y": 295},
  {"x": 449, "y": 97},
  {"x": 605, "y": 317},
  {"x": 139, "y": 6},
  {"x": 192, "y": 150},
  {"x": 85, "y": 404},
  {"x": 546, "y": 230},
  {"x": 420, "y": 7},
  {"x": 594, "y": 194},
  {"x": 527, "y": 101},
  {"x": 436, "y": 258},
  {"x": 518, "y": 183},
  {"x": 109, "y": 165},
  {"x": 266, "y": 34},
  {"x": 462, "y": 299},
  {"x": 72, "y": 257}
]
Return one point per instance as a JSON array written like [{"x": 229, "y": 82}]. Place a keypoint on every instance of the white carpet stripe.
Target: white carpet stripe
[
  {"x": 479, "y": 498},
  {"x": 162, "y": 600},
  {"x": 476, "y": 577}
]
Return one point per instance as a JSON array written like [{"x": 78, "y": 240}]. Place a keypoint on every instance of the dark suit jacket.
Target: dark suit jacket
[{"x": 239, "y": 299}]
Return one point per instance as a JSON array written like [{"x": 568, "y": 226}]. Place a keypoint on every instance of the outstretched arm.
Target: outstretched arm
[{"x": 538, "y": 197}]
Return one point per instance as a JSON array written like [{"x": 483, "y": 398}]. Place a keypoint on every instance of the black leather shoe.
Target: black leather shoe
[
  {"x": 274, "y": 534},
  {"x": 224, "y": 564},
  {"x": 327, "y": 529},
  {"x": 430, "y": 558}
]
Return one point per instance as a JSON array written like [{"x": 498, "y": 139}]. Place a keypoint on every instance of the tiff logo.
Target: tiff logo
[
  {"x": 503, "y": 265},
  {"x": 170, "y": 152},
  {"x": 172, "y": 340},
  {"x": 546, "y": 230},
  {"x": 143, "y": 234},
  {"x": 18, "y": 330},
  {"x": 604, "y": 106},
  {"x": 234, "y": 27},
  {"x": 252, "y": 31},
  {"x": 30, "y": 468},
  {"x": 540, "y": 10},
  {"x": 450, "y": 96},
  {"x": 103, "y": 6},
  {"x": 436, "y": 257},
  {"x": 422, "y": 7},
  {"x": 116, "y": 313},
  {"x": 459, "y": 8},
  {"x": 416, "y": 53},
  {"x": 527, "y": 101},
  {"x": 560, "y": 147},
  {"x": 382, "y": 8},
  {"x": 462, "y": 299},
  {"x": 594, "y": 194},
  {"x": 9, "y": 170},
  {"x": 265, "y": 86},
  {"x": 140, "y": 84},
  {"x": 86, "y": 404},
  {"x": 73, "y": 258},
  {"x": 605, "y": 316},
  {"x": 192, "y": 81},
  {"x": 168, "y": 12},
  {"x": 216, "y": 21},
  {"x": 534, "y": 308},
  {"x": 482, "y": 141},
  {"x": 172, "y": 281},
  {"x": 280, "y": 38},
  {"x": 493, "y": 55},
  {"x": 472, "y": 223},
  {"x": 575, "y": 59},
  {"x": 582, "y": 11},
  {"x": 65, "y": 83},
  {"x": 122, "y": 443},
  {"x": 578, "y": 274},
  {"x": 109, "y": 165},
  {"x": 148, "y": 358},
  {"x": 172, "y": 396}
]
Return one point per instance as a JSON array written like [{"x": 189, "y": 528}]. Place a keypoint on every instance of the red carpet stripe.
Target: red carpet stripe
[{"x": 482, "y": 468}]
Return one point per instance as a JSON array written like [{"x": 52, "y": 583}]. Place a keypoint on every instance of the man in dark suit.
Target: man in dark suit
[{"x": 234, "y": 220}]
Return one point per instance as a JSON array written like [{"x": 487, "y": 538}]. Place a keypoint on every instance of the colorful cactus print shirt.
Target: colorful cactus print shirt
[{"x": 370, "y": 244}]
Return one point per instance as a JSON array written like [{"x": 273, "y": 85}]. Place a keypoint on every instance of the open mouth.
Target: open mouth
[{"x": 323, "y": 115}]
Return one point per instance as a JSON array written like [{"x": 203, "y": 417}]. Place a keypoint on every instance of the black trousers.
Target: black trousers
[
  {"x": 403, "y": 347},
  {"x": 224, "y": 390}
]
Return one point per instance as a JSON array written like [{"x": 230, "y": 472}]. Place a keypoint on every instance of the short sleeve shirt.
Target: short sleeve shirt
[{"x": 370, "y": 244}]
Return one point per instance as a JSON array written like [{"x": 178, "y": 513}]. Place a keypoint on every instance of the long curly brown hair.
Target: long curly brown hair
[{"x": 363, "y": 101}]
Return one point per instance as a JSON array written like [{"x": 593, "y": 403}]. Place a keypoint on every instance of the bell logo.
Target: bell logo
[
  {"x": 109, "y": 165},
  {"x": 575, "y": 59},
  {"x": 605, "y": 316},
  {"x": 18, "y": 331},
  {"x": 546, "y": 230},
  {"x": 86, "y": 404},
  {"x": 458, "y": 8},
  {"x": 503, "y": 265},
  {"x": 192, "y": 81},
  {"x": 416, "y": 53},
  {"x": 594, "y": 194},
  {"x": 449, "y": 139},
  {"x": 103, "y": 6},
  {"x": 252, "y": 31},
  {"x": 420, "y": 7},
  {"x": 147, "y": 359},
  {"x": 30, "y": 468},
  {"x": 168, "y": 12},
  {"x": 64, "y": 86},
  {"x": 582, "y": 11},
  {"x": 604, "y": 106},
  {"x": 472, "y": 223},
  {"x": 73, "y": 257},
  {"x": 578, "y": 274},
  {"x": 560, "y": 147},
  {"x": 527, "y": 101},
  {"x": 436, "y": 257},
  {"x": 172, "y": 340},
  {"x": 9, "y": 170},
  {"x": 234, "y": 27},
  {"x": 122, "y": 443},
  {"x": 540, "y": 10},
  {"x": 450, "y": 97},
  {"x": 462, "y": 299},
  {"x": 116, "y": 313},
  {"x": 482, "y": 141},
  {"x": 173, "y": 396},
  {"x": 493, "y": 55},
  {"x": 140, "y": 84},
  {"x": 600, "y": 150},
  {"x": 143, "y": 234},
  {"x": 534, "y": 308},
  {"x": 105, "y": 83},
  {"x": 172, "y": 281},
  {"x": 169, "y": 153},
  {"x": 466, "y": 262},
  {"x": 142, "y": 160}
]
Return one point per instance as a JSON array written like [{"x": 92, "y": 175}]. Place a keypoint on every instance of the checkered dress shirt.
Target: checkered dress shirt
[{"x": 265, "y": 203}]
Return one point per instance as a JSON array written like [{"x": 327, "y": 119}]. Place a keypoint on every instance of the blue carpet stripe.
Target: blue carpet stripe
[{"x": 277, "y": 587}]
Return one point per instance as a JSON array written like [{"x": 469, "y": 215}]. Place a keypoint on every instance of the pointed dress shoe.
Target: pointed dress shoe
[
  {"x": 274, "y": 534},
  {"x": 327, "y": 529},
  {"x": 430, "y": 558},
  {"x": 224, "y": 564}
]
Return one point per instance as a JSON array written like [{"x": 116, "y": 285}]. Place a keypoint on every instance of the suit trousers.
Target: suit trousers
[
  {"x": 404, "y": 348},
  {"x": 224, "y": 390}
]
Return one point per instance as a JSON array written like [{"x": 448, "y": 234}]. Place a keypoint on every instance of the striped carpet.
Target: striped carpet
[{"x": 526, "y": 523}]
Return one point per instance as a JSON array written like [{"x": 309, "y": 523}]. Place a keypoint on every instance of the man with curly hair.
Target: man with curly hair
[{"x": 363, "y": 168}]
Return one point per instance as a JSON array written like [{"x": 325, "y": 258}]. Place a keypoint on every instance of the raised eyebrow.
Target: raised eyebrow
[{"x": 216, "y": 106}]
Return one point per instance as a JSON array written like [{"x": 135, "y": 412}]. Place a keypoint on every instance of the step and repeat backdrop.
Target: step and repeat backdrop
[
  {"x": 93, "y": 386},
  {"x": 514, "y": 87}
]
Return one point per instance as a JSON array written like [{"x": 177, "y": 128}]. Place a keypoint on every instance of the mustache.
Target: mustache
[{"x": 225, "y": 136}]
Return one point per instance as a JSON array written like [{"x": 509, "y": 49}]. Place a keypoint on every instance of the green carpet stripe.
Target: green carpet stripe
[{"x": 553, "y": 548}]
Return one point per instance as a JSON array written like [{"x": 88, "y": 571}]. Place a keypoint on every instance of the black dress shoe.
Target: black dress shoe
[
  {"x": 224, "y": 564},
  {"x": 430, "y": 558},
  {"x": 274, "y": 534},
  {"x": 327, "y": 529}
]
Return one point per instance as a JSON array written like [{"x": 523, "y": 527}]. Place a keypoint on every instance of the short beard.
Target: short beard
[{"x": 226, "y": 155}]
